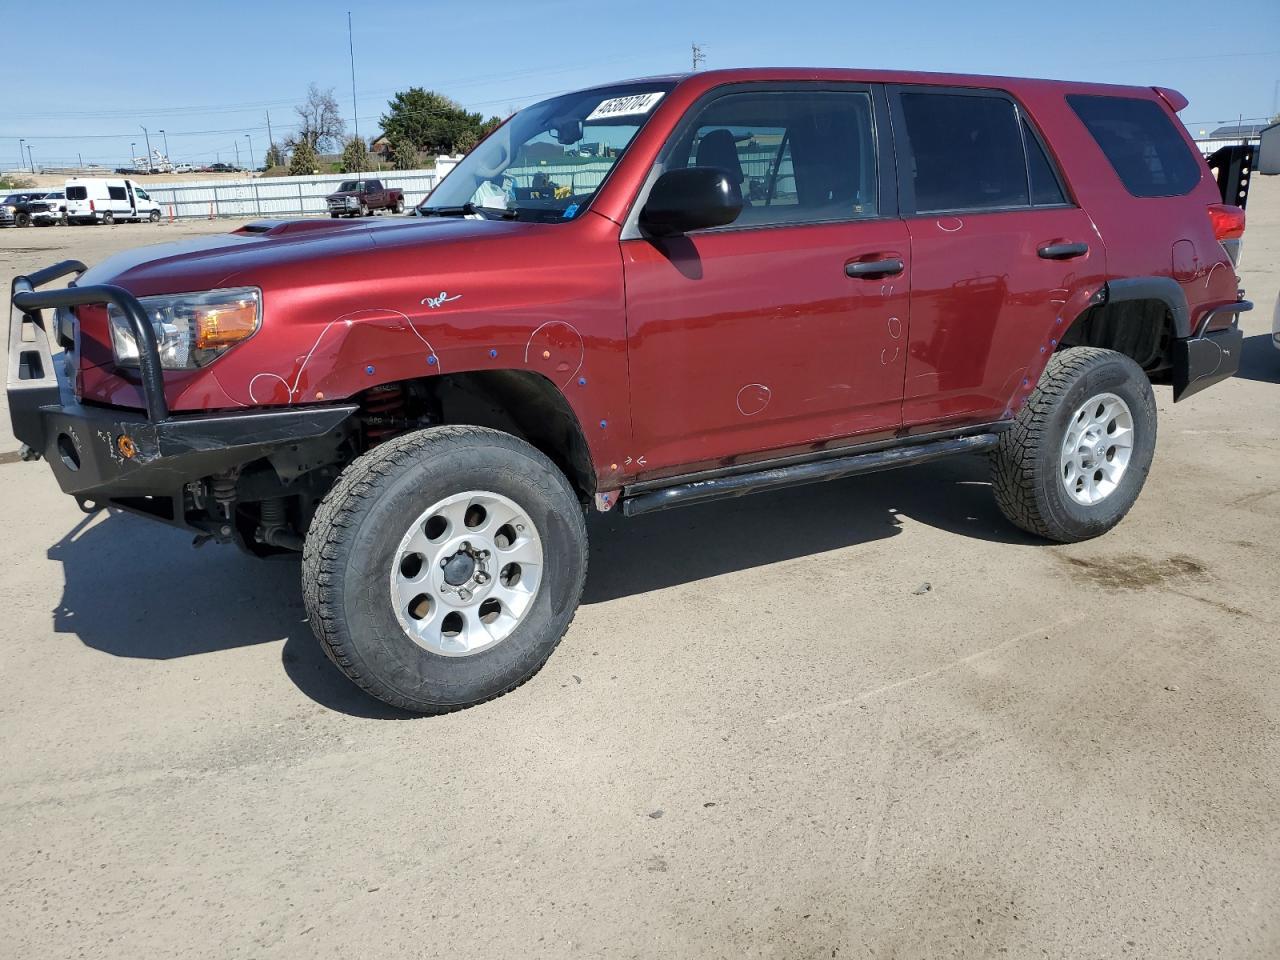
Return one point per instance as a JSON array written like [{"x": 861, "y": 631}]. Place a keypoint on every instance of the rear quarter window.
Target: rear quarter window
[{"x": 1141, "y": 143}]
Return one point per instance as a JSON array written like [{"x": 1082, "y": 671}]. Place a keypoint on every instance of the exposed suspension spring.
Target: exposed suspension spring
[
  {"x": 223, "y": 486},
  {"x": 382, "y": 409}
]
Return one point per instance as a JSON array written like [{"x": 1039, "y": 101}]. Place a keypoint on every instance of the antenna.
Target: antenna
[
  {"x": 699, "y": 56},
  {"x": 355, "y": 116}
]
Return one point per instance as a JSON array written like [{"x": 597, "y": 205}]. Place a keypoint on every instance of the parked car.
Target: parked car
[
  {"x": 13, "y": 210},
  {"x": 48, "y": 208},
  {"x": 104, "y": 200},
  {"x": 1275, "y": 325},
  {"x": 360, "y": 198},
  {"x": 922, "y": 266},
  {"x": 184, "y": 168}
]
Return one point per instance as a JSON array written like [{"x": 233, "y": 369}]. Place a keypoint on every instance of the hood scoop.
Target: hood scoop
[{"x": 289, "y": 228}]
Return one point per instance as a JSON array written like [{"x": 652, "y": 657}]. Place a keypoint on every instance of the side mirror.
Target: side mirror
[{"x": 690, "y": 198}]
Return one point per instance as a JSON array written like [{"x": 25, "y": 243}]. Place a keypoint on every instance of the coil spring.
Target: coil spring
[{"x": 382, "y": 408}]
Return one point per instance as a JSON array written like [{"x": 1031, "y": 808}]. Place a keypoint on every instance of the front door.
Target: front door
[{"x": 774, "y": 334}]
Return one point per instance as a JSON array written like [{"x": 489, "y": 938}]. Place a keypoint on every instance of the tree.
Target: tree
[
  {"x": 355, "y": 156},
  {"x": 320, "y": 122},
  {"x": 275, "y": 156},
  {"x": 404, "y": 156},
  {"x": 304, "y": 160},
  {"x": 430, "y": 121}
]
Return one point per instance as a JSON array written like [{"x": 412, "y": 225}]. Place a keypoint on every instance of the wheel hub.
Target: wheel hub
[
  {"x": 465, "y": 573},
  {"x": 1097, "y": 448}
]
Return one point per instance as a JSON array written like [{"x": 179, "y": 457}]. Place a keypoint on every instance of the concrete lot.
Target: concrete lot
[{"x": 757, "y": 740}]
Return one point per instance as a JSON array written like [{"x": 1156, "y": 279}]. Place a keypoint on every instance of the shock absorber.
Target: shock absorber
[{"x": 382, "y": 409}]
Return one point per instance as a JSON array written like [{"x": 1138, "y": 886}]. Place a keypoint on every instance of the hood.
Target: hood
[{"x": 267, "y": 247}]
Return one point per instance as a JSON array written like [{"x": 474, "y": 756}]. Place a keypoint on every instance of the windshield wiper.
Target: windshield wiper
[
  {"x": 466, "y": 210},
  {"x": 470, "y": 209}
]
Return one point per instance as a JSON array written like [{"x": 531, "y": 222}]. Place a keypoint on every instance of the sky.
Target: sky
[{"x": 94, "y": 74}]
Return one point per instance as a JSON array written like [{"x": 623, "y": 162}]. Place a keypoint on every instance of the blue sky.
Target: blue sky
[{"x": 207, "y": 72}]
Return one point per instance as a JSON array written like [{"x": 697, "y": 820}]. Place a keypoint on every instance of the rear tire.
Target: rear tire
[
  {"x": 372, "y": 547},
  {"x": 109, "y": 218},
  {"x": 1080, "y": 449},
  {"x": 399, "y": 207}
]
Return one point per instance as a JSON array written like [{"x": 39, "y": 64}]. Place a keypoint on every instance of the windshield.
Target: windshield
[{"x": 547, "y": 162}]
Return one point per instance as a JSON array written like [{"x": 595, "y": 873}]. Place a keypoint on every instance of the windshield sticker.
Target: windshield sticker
[{"x": 625, "y": 106}]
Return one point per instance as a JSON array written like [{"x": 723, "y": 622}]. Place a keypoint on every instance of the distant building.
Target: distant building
[
  {"x": 1227, "y": 135},
  {"x": 1268, "y": 158}
]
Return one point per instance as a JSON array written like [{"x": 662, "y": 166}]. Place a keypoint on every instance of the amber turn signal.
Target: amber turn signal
[{"x": 225, "y": 324}]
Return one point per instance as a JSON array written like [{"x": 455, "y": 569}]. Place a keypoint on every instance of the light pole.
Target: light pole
[
  {"x": 21, "y": 141},
  {"x": 250, "y": 139},
  {"x": 133, "y": 154},
  {"x": 148, "y": 136},
  {"x": 29, "y": 160},
  {"x": 166, "y": 146}
]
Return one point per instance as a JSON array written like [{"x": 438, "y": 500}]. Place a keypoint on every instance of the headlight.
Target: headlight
[{"x": 192, "y": 329}]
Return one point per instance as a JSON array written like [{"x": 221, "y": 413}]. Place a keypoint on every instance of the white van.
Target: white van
[{"x": 103, "y": 200}]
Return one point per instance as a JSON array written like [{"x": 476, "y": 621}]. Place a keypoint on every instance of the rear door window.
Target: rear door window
[
  {"x": 1140, "y": 141},
  {"x": 77, "y": 193},
  {"x": 1045, "y": 188},
  {"x": 966, "y": 152}
]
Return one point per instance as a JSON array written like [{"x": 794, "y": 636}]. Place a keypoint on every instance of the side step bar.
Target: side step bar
[{"x": 772, "y": 478}]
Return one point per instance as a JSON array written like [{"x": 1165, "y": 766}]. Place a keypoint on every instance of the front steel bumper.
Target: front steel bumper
[{"x": 105, "y": 455}]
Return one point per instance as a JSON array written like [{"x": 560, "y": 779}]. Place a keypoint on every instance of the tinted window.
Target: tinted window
[
  {"x": 966, "y": 150},
  {"x": 77, "y": 193},
  {"x": 1140, "y": 141},
  {"x": 795, "y": 157},
  {"x": 1045, "y": 188},
  {"x": 116, "y": 193}
]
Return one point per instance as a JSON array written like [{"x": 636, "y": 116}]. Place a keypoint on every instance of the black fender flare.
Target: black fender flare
[{"x": 1165, "y": 289}]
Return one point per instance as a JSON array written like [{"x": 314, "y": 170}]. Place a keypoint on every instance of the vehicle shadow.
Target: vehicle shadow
[
  {"x": 1259, "y": 359},
  {"x": 687, "y": 544},
  {"x": 134, "y": 588}
]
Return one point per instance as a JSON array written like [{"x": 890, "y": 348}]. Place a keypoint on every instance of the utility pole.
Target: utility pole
[
  {"x": 148, "y": 136},
  {"x": 271, "y": 141},
  {"x": 80, "y": 161},
  {"x": 237, "y": 146},
  {"x": 699, "y": 56},
  {"x": 21, "y": 141},
  {"x": 30, "y": 161},
  {"x": 166, "y": 146},
  {"x": 355, "y": 115},
  {"x": 250, "y": 139},
  {"x": 133, "y": 154}
]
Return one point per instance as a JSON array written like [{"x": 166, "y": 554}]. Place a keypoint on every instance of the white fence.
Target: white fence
[{"x": 277, "y": 196}]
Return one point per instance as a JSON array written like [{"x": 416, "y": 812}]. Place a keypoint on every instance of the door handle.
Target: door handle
[
  {"x": 1062, "y": 251},
  {"x": 873, "y": 269}
]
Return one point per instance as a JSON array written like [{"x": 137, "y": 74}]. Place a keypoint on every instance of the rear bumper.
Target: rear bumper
[
  {"x": 108, "y": 454},
  {"x": 1206, "y": 358}
]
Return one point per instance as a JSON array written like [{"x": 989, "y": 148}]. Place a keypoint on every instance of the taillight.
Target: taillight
[
  {"x": 1228, "y": 221},
  {"x": 91, "y": 206}
]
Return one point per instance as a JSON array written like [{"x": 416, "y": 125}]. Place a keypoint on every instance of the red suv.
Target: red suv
[{"x": 635, "y": 297}]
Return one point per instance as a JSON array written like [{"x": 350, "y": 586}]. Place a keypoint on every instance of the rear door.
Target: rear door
[
  {"x": 1003, "y": 260},
  {"x": 756, "y": 337}
]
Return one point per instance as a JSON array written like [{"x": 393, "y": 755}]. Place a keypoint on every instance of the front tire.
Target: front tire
[
  {"x": 154, "y": 216},
  {"x": 1080, "y": 449},
  {"x": 444, "y": 566}
]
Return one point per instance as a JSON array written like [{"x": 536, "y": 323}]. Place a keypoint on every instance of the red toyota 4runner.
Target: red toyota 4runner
[{"x": 636, "y": 297}]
